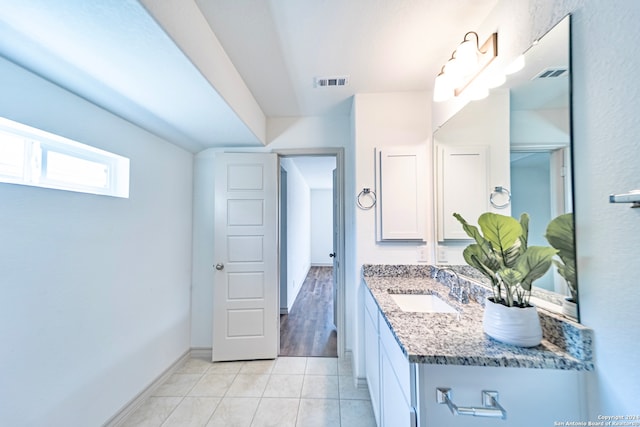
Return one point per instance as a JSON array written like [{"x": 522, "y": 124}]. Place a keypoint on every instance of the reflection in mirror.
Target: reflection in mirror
[{"x": 521, "y": 136}]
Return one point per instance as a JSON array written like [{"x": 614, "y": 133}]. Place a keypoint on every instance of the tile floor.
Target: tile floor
[{"x": 288, "y": 391}]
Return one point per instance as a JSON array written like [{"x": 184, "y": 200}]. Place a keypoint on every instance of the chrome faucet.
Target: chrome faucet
[{"x": 458, "y": 290}]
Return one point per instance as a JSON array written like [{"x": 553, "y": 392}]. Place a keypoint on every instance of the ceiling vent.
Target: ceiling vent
[
  {"x": 333, "y": 81},
  {"x": 552, "y": 72}
]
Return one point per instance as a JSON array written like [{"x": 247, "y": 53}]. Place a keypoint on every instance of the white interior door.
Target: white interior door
[{"x": 245, "y": 305}]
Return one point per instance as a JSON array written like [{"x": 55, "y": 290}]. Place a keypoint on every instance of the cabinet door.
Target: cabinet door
[
  {"x": 396, "y": 411},
  {"x": 402, "y": 184},
  {"x": 395, "y": 383},
  {"x": 372, "y": 361},
  {"x": 462, "y": 187}
]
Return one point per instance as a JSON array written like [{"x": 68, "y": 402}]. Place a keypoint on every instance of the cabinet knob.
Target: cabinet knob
[{"x": 219, "y": 267}]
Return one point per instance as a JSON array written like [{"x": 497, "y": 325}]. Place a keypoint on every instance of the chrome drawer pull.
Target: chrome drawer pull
[{"x": 491, "y": 408}]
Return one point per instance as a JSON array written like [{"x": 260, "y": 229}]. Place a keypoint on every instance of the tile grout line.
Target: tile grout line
[{"x": 182, "y": 397}]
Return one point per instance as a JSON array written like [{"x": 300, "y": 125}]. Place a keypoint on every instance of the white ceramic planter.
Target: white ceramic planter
[{"x": 512, "y": 325}]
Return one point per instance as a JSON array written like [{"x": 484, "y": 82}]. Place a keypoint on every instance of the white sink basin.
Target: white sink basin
[{"x": 422, "y": 303}]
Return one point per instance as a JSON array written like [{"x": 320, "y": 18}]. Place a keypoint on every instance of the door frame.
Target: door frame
[
  {"x": 560, "y": 202},
  {"x": 338, "y": 153}
]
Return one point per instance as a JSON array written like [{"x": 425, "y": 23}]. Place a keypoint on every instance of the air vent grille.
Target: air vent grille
[
  {"x": 552, "y": 72},
  {"x": 333, "y": 81}
]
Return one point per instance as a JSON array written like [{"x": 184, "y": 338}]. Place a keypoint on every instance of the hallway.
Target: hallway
[{"x": 308, "y": 329}]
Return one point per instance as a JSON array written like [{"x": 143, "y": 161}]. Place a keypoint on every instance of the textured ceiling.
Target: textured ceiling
[
  {"x": 206, "y": 73},
  {"x": 114, "y": 54},
  {"x": 279, "y": 46}
]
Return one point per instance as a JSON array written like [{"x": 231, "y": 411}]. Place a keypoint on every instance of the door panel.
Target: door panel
[
  {"x": 245, "y": 285},
  {"x": 245, "y": 306}
]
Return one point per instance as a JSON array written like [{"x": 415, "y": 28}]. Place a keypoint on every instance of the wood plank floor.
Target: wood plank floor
[{"x": 308, "y": 329}]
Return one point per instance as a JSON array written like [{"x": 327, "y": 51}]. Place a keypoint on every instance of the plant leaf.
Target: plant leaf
[
  {"x": 560, "y": 234},
  {"x": 476, "y": 257},
  {"x": 524, "y": 239},
  {"x": 471, "y": 230},
  {"x": 510, "y": 276},
  {"x": 534, "y": 263},
  {"x": 503, "y": 232}
]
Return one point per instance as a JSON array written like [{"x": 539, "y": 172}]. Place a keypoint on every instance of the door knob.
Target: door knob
[
  {"x": 219, "y": 267},
  {"x": 332, "y": 255}
]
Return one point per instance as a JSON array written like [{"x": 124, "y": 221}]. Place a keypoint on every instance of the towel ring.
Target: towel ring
[
  {"x": 500, "y": 190},
  {"x": 372, "y": 196}
]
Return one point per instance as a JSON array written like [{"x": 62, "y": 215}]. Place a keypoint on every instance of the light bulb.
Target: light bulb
[
  {"x": 442, "y": 89},
  {"x": 453, "y": 72},
  {"x": 467, "y": 56}
]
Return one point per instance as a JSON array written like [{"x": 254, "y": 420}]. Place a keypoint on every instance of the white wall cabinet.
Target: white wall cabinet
[
  {"x": 388, "y": 371},
  {"x": 462, "y": 187},
  {"x": 402, "y": 193},
  {"x": 531, "y": 397}
]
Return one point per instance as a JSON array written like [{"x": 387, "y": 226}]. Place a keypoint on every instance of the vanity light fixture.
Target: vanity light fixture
[
  {"x": 466, "y": 63},
  {"x": 517, "y": 65}
]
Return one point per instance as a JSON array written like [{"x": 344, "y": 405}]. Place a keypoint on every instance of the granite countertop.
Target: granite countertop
[{"x": 455, "y": 339}]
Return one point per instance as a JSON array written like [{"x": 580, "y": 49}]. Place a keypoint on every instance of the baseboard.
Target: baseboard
[
  {"x": 360, "y": 382},
  {"x": 201, "y": 353},
  {"x": 284, "y": 310},
  {"x": 135, "y": 403}
]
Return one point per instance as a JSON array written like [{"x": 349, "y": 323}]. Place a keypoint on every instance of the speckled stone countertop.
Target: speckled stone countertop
[{"x": 458, "y": 339}]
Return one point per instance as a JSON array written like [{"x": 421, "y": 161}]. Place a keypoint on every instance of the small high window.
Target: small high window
[{"x": 30, "y": 156}]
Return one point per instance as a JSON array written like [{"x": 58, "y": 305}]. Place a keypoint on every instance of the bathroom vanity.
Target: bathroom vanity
[{"x": 423, "y": 363}]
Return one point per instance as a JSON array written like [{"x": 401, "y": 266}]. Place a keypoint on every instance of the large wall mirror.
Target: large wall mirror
[{"x": 522, "y": 133}]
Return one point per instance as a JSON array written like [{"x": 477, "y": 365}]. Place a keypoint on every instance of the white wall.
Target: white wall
[
  {"x": 203, "y": 259},
  {"x": 386, "y": 120},
  {"x": 321, "y": 226},
  {"x": 307, "y": 132},
  {"x": 605, "y": 129},
  {"x": 380, "y": 120},
  {"x": 298, "y": 230},
  {"x": 94, "y": 290},
  {"x": 540, "y": 126}
]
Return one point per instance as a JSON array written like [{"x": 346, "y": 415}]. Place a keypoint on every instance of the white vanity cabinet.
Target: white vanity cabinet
[
  {"x": 387, "y": 370},
  {"x": 531, "y": 397},
  {"x": 371, "y": 352}
]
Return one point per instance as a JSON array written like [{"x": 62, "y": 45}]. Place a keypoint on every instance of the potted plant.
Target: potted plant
[
  {"x": 501, "y": 253},
  {"x": 560, "y": 235}
]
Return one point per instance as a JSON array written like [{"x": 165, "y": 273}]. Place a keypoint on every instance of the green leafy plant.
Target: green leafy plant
[
  {"x": 502, "y": 254},
  {"x": 560, "y": 234}
]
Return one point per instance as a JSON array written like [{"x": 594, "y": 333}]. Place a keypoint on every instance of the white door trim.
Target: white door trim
[{"x": 338, "y": 153}]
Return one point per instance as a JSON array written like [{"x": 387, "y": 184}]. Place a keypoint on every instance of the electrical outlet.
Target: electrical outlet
[
  {"x": 422, "y": 253},
  {"x": 442, "y": 255}
]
